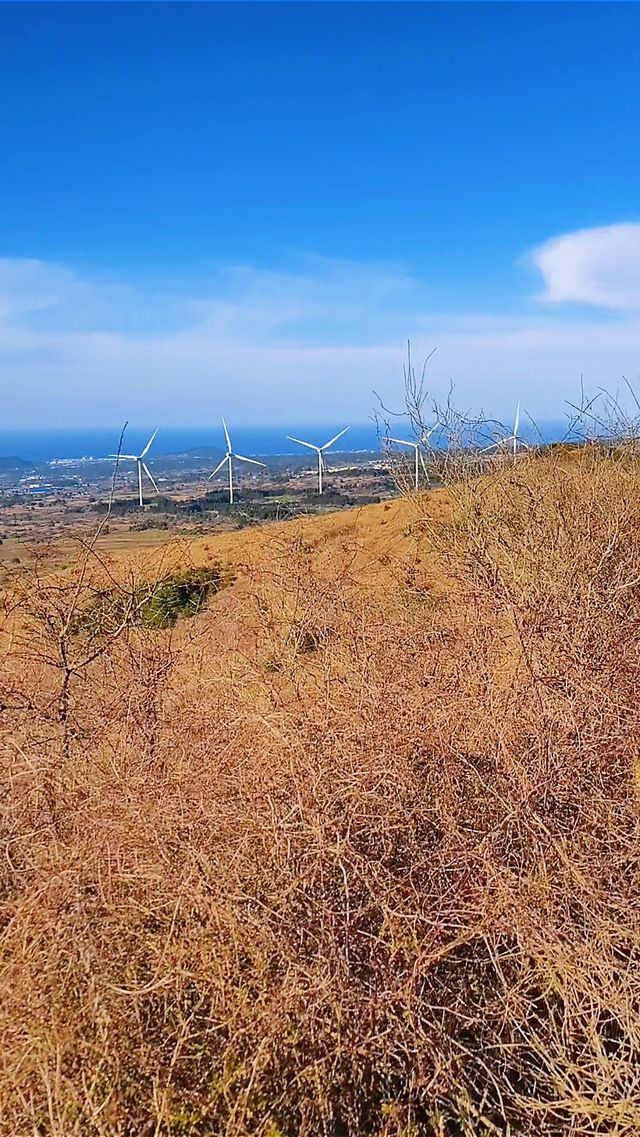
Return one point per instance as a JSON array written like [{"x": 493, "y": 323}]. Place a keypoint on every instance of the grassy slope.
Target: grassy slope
[{"x": 354, "y": 850}]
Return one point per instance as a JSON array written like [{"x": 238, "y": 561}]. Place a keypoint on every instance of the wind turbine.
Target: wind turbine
[
  {"x": 319, "y": 450},
  {"x": 418, "y": 456},
  {"x": 228, "y": 458},
  {"x": 513, "y": 440},
  {"x": 141, "y": 465},
  {"x": 426, "y": 442}
]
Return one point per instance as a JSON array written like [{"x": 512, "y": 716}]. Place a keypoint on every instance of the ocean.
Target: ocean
[{"x": 47, "y": 445}]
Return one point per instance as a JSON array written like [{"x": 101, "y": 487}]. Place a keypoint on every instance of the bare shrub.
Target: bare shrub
[{"x": 353, "y": 851}]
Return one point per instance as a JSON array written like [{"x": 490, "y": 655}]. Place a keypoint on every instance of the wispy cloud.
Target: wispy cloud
[
  {"x": 598, "y": 266},
  {"x": 309, "y": 344}
]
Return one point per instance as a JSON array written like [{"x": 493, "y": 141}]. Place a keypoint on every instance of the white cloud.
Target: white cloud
[
  {"x": 307, "y": 345},
  {"x": 598, "y": 266}
]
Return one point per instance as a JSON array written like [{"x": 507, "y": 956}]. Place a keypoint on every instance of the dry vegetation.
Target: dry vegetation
[{"x": 354, "y": 850}]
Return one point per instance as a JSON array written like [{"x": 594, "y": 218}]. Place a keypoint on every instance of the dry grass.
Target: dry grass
[{"x": 353, "y": 852}]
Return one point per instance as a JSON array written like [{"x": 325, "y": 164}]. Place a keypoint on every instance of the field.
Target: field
[
  {"x": 45, "y": 511},
  {"x": 350, "y": 847},
  {"x": 51, "y": 528}
]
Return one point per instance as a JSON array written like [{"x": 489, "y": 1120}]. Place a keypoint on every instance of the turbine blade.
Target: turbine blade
[
  {"x": 332, "y": 440},
  {"x": 148, "y": 446},
  {"x": 301, "y": 443},
  {"x": 150, "y": 476},
  {"x": 226, "y": 434},
  {"x": 126, "y": 457},
  {"x": 517, "y": 421},
  {"x": 402, "y": 442},
  {"x": 241, "y": 458},
  {"x": 218, "y": 467}
]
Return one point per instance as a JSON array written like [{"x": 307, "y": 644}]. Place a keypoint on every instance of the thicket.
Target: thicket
[
  {"x": 150, "y": 604},
  {"x": 260, "y": 505},
  {"x": 355, "y": 851}
]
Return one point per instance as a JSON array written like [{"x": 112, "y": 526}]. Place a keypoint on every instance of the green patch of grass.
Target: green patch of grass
[
  {"x": 156, "y": 604},
  {"x": 177, "y": 596}
]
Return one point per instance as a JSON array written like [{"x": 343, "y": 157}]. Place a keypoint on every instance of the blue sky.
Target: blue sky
[{"x": 250, "y": 207}]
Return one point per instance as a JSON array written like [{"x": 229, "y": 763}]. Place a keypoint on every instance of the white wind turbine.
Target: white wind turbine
[
  {"x": 426, "y": 442},
  {"x": 141, "y": 465},
  {"x": 319, "y": 450},
  {"x": 416, "y": 447},
  {"x": 419, "y": 460},
  {"x": 228, "y": 459},
  {"x": 512, "y": 440}
]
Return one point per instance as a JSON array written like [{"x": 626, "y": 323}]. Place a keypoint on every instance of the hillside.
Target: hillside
[
  {"x": 353, "y": 849},
  {"x": 10, "y": 462}
]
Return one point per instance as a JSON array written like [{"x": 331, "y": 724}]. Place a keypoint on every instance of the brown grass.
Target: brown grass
[{"x": 355, "y": 851}]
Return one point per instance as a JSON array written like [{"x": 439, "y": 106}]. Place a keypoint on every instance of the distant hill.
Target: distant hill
[
  {"x": 194, "y": 452},
  {"x": 12, "y": 463}
]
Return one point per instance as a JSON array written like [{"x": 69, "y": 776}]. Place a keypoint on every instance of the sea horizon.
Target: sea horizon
[{"x": 53, "y": 444}]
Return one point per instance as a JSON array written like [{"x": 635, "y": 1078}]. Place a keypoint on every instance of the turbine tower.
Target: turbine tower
[
  {"x": 512, "y": 440},
  {"x": 228, "y": 459},
  {"x": 141, "y": 465},
  {"x": 319, "y": 450}
]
